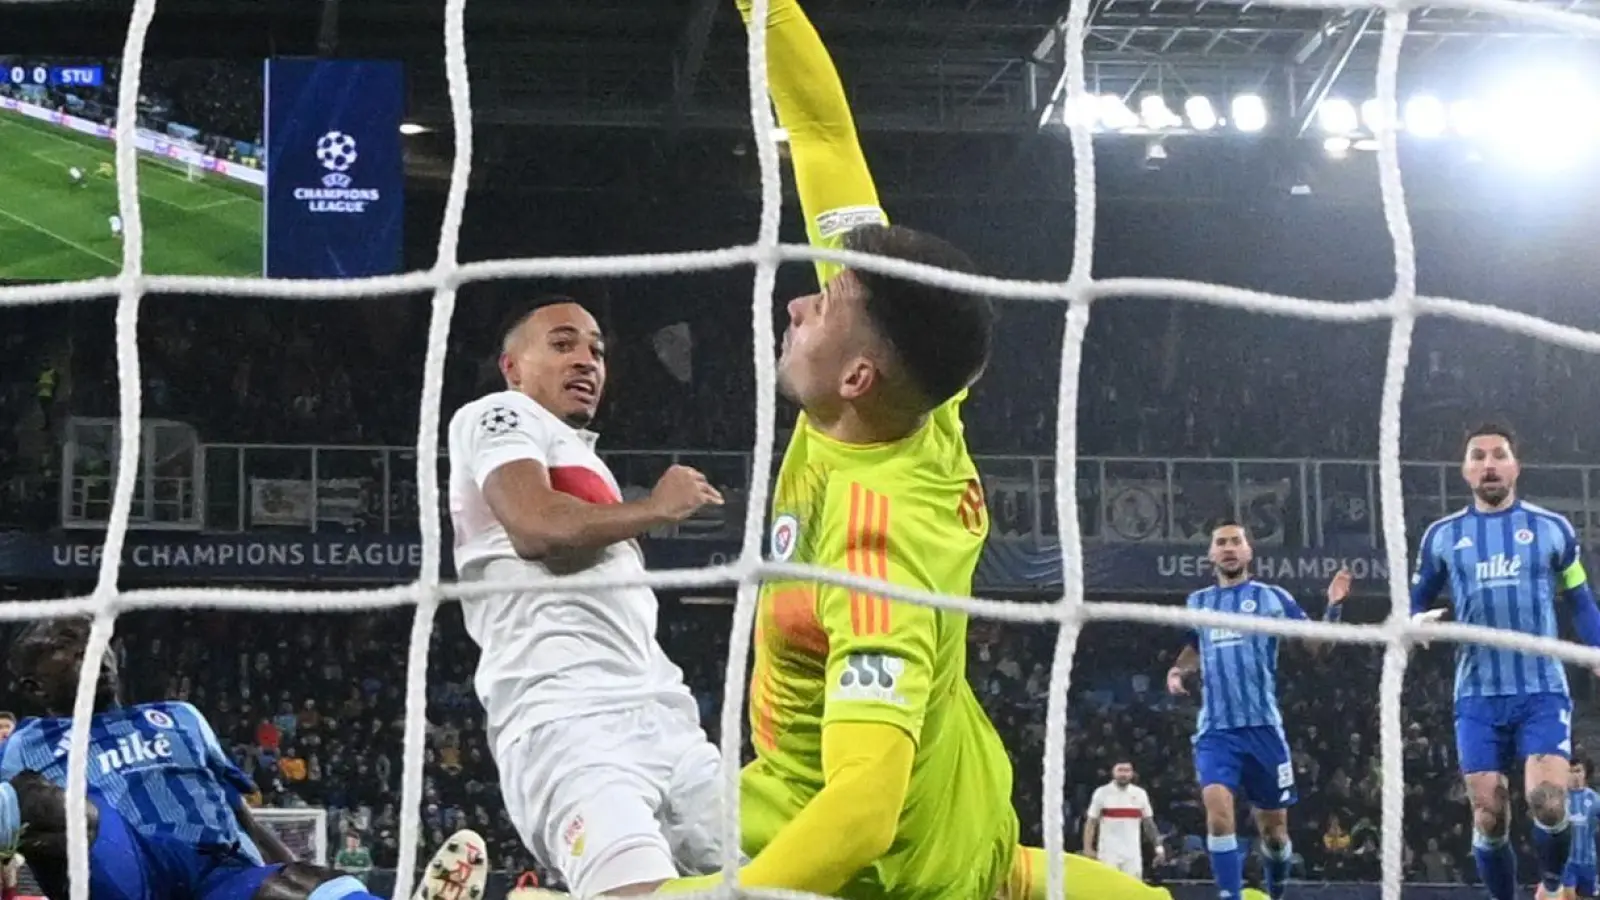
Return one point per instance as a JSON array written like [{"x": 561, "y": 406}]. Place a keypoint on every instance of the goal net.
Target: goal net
[
  {"x": 1401, "y": 308},
  {"x": 304, "y": 831}
]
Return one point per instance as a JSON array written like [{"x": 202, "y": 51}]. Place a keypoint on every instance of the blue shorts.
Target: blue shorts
[
  {"x": 1254, "y": 761},
  {"x": 1582, "y": 879},
  {"x": 1495, "y": 734},
  {"x": 126, "y": 865}
]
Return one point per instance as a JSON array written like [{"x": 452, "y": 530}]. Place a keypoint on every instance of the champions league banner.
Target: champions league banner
[
  {"x": 169, "y": 557},
  {"x": 1170, "y": 568},
  {"x": 173, "y": 558},
  {"x": 335, "y": 171}
]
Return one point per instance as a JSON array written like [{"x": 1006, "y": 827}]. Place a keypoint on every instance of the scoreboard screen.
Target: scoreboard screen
[
  {"x": 44, "y": 75},
  {"x": 290, "y": 169}
]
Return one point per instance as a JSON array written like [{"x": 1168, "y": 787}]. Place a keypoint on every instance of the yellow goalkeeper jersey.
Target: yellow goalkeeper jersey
[{"x": 910, "y": 512}]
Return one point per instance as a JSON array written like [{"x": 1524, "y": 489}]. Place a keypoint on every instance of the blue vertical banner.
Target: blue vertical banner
[{"x": 335, "y": 171}]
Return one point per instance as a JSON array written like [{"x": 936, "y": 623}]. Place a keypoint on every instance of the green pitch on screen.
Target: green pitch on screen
[{"x": 52, "y": 229}]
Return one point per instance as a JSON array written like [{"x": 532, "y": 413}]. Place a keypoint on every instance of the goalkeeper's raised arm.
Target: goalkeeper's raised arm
[{"x": 830, "y": 171}]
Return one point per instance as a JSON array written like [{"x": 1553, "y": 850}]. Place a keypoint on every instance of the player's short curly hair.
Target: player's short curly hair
[
  {"x": 941, "y": 337},
  {"x": 524, "y": 312},
  {"x": 1493, "y": 429}
]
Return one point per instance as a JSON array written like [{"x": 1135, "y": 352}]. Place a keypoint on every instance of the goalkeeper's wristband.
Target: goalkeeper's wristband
[{"x": 1334, "y": 612}]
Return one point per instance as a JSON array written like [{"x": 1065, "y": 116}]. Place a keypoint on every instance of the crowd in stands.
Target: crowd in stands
[
  {"x": 1144, "y": 392},
  {"x": 313, "y": 711},
  {"x": 312, "y": 708}
]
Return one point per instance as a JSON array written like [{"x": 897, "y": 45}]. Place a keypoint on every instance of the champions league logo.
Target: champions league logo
[
  {"x": 498, "y": 420},
  {"x": 337, "y": 153}
]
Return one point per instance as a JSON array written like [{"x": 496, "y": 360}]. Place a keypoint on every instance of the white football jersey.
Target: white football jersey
[
  {"x": 1121, "y": 811},
  {"x": 549, "y": 655}
]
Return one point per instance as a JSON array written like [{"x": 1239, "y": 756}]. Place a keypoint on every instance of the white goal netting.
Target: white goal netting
[
  {"x": 304, "y": 831},
  {"x": 1402, "y": 307}
]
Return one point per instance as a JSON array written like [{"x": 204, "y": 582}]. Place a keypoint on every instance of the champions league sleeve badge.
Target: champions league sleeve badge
[{"x": 498, "y": 420}]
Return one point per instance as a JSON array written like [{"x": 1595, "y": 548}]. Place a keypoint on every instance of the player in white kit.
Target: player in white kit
[
  {"x": 604, "y": 768},
  {"x": 1119, "y": 811}
]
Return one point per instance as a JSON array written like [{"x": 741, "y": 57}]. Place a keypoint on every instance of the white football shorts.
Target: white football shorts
[
  {"x": 1127, "y": 865},
  {"x": 616, "y": 798}
]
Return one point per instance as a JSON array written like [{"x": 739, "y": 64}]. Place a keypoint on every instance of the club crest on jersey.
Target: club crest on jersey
[
  {"x": 1247, "y": 606},
  {"x": 785, "y": 537},
  {"x": 1524, "y": 536},
  {"x": 158, "y": 718},
  {"x": 573, "y": 836}
]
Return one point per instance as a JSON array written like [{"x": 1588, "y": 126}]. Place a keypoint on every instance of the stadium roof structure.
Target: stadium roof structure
[
  {"x": 952, "y": 65},
  {"x": 967, "y": 81},
  {"x": 930, "y": 66}
]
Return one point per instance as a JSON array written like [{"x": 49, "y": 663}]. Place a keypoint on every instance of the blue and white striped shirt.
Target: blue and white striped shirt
[
  {"x": 1583, "y": 809},
  {"x": 1503, "y": 570},
  {"x": 158, "y": 764},
  {"x": 1239, "y": 670}
]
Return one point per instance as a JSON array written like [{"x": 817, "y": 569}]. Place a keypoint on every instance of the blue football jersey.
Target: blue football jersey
[
  {"x": 1503, "y": 570},
  {"x": 158, "y": 764},
  {"x": 1239, "y": 670},
  {"x": 1583, "y": 808}
]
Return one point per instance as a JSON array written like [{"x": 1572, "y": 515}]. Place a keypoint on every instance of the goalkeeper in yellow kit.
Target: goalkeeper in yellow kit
[{"x": 877, "y": 773}]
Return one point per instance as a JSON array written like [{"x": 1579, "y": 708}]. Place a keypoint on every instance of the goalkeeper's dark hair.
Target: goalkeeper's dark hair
[
  {"x": 1229, "y": 522},
  {"x": 941, "y": 337},
  {"x": 1494, "y": 429}
]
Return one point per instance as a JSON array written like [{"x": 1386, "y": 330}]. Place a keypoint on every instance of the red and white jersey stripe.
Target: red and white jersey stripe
[{"x": 549, "y": 655}]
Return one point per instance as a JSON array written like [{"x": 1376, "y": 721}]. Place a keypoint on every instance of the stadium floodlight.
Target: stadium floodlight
[
  {"x": 1466, "y": 118},
  {"x": 1376, "y": 118},
  {"x": 1337, "y": 147},
  {"x": 1249, "y": 112},
  {"x": 1155, "y": 114},
  {"x": 1201, "y": 116},
  {"x": 410, "y": 128},
  {"x": 1338, "y": 116},
  {"x": 1080, "y": 110},
  {"x": 1115, "y": 114},
  {"x": 1425, "y": 116},
  {"x": 1544, "y": 120}
]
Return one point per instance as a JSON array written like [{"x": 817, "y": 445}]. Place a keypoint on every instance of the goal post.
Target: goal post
[{"x": 304, "y": 830}]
